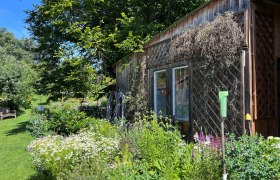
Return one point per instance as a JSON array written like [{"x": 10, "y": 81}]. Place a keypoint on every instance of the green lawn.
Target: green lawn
[{"x": 15, "y": 161}]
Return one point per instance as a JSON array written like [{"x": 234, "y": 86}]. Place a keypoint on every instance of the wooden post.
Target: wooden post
[
  {"x": 223, "y": 113},
  {"x": 223, "y": 149}
]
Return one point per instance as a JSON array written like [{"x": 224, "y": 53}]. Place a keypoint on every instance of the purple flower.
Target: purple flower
[
  {"x": 212, "y": 141},
  {"x": 201, "y": 137}
]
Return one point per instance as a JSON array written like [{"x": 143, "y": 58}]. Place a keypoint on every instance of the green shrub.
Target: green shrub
[
  {"x": 65, "y": 121},
  {"x": 38, "y": 125},
  {"x": 103, "y": 127},
  {"x": 148, "y": 151},
  {"x": 252, "y": 157},
  {"x": 87, "y": 170},
  {"x": 154, "y": 150},
  {"x": 61, "y": 121},
  {"x": 64, "y": 118},
  {"x": 157, "y": 146}
]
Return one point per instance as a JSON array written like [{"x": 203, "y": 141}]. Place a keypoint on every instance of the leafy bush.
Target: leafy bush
[
  {"x": 156, "y": 146},
  {"x": 88, "y": 170},
  {"x": 103, "y": 127},
  {"x": 152, "y": 150},
  {"x": 60, "y": 118},
  {"x": 38, "y": 125},
  {"x": 252, "y": 157},
  {"x": 65, "y": 121},
  {"x": 57, "y": 155}
]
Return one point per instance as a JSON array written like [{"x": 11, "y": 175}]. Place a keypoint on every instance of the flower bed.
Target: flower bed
[
  {"x": 57, "y": 154},
  {"x": 150, "y": 149}
]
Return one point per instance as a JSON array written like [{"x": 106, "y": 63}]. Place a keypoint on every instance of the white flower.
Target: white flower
[{"x": 70, "y": 150}]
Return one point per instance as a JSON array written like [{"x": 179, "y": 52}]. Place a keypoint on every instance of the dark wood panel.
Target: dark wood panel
[{"x": 265, "y": 68}]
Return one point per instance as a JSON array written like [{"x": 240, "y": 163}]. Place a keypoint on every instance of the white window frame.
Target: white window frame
[
  {"x": 155, "y": 88},
  {"x": 173, "y": 90}
]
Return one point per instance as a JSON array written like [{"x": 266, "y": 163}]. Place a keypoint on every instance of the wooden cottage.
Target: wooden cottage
[{"x": 179, "y": 88}]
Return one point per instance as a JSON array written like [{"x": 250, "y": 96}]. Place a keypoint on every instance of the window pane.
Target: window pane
[
  {"x": 181, "y": 93},
  {"x": 160, "y": 88}
]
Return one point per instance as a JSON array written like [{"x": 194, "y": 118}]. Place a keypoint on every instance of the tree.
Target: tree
[
  {"x": 16, "y": 72},
  {"x": 97, "y": 31},
  {"x": 75, "y": 78},
  {"x": 103, "y": 30}
]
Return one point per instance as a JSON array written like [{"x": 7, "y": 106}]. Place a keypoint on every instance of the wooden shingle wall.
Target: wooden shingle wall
[{"x": 122, "y": 77}]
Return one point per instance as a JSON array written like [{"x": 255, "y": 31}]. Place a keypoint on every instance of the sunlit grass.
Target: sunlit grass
[{"x": 15, "y": 160}]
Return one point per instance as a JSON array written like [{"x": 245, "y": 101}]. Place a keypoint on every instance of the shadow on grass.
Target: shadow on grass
[
  {"x": 40, "y": 176},
  {"x": 20, "y": 128},
  {"x": 20, "y": 113}
]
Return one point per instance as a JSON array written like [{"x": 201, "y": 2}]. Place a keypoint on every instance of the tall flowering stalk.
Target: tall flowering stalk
[
  {"x": 202, "y": 137},
  {"x": 206, "y": 146}
]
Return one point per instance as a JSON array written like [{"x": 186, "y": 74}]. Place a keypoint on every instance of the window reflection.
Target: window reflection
[
  {"x": 160, "y": 93},
  {"x": 181, "y": 93}
]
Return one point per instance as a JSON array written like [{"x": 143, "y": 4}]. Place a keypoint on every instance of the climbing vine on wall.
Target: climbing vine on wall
[{"x": 137, "y": 97}]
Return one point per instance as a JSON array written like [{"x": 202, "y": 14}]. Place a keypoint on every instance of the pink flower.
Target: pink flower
[
  {"x": 212, "y": 141},
  {"x": 201, "y": 137}
]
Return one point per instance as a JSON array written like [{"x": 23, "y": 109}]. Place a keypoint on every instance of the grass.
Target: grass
[{"x": 15, "y": 161}]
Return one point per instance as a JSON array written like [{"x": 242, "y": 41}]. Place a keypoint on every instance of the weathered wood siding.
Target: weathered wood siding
[
  {"x": 123, "y": 70},
  {"x": 122, "y": 77}
]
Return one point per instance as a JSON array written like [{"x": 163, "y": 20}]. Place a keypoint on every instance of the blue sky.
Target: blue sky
[{"x": 12, "y": 15}]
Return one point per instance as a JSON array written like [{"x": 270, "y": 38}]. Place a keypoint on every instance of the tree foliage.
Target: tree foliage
[
  {"x": 98, "y": 32},
  {"x": 101, "y": 31},
  {"x": 75, "y": 78},
  {"x": 16, "y": 72}
]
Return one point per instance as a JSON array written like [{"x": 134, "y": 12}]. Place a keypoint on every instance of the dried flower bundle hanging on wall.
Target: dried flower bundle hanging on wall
[{"x": 216, "y": 41}]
